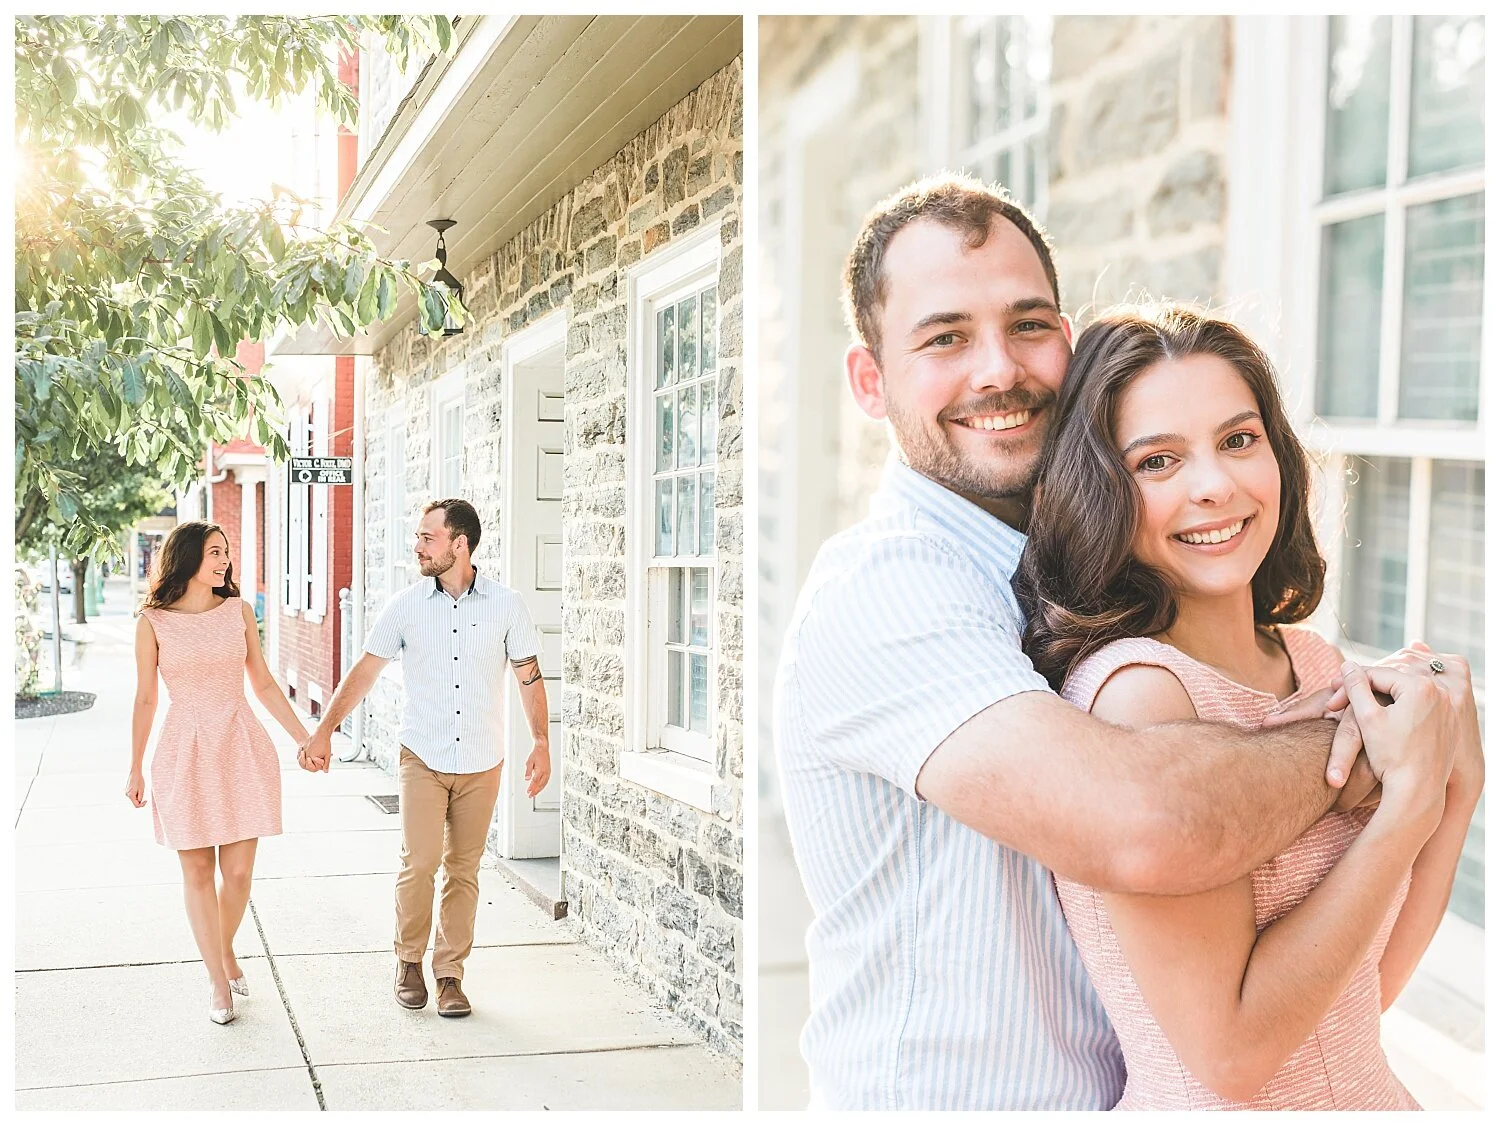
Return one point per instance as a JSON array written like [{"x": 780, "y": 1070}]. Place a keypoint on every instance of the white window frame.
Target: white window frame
[
  {"x": 944, "y": 86},
  {"x": 318, "y": 508},
  {"x": 447, "y": 394},
  {"x": 1274, "y": 241},
  {"x": 1339, "y": 441},
  {"x": 299, "y": 500},
  {"x": 655, "y": 756}
]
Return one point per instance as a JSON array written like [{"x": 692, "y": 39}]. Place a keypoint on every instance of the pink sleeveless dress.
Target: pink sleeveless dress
[
  {"x": 1341, "y": 1066},
  {"x": 215, "y": 777}
]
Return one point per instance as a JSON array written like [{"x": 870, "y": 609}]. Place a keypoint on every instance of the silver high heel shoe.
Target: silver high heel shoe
[
  {"x": 240, "y": 986},
  {"x": 220, "y": 1016}
]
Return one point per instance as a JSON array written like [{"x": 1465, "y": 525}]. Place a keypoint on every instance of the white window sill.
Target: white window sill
[
  {"x": 309, "y": 616},
  {"x": 677, "y": 776}
]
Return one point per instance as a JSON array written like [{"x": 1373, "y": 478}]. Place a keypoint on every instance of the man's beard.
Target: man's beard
[
  {"x": 438, "y": 564},
  {"x": 1008, "y": 476}
]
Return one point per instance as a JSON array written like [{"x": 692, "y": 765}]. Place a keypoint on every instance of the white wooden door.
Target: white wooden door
[{"x": 532, "y": 827}]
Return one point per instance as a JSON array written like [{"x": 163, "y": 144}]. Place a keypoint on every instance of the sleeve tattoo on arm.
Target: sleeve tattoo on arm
[{"x": 534, "y": 667}]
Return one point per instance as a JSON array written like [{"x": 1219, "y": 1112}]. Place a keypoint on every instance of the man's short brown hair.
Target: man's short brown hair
[
  {"x": 961, "y": 202},
  {"x": 459, "y": 518}
]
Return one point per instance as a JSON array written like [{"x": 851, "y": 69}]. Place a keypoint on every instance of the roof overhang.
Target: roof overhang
[{"x": 492, "y": 135}]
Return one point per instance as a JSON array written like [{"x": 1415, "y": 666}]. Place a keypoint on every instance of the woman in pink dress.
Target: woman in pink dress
[
  {"x": 1170, "y": 546},
  {"x": 215, "y": 776}
]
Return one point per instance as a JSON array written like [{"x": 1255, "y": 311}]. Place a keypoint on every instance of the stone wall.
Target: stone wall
[
  {"x": 1138, "y": 145},
  {"x": 655, "y": 883}
]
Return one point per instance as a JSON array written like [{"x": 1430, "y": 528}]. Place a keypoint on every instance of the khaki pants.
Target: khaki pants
[{"x": 444, "y": 817}]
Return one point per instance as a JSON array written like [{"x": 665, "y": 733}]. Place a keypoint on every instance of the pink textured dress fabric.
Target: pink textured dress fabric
[
  {"x": 1341, "y": 1066},
  {"x": 215, "y": 777}
]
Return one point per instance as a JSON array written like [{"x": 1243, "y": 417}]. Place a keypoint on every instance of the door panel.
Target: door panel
[{"x": 531, "y": 827}]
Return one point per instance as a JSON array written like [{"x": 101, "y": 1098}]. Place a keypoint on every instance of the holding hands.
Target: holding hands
[
  {"x": 1418, "y": 707},
  {"x": 316, "y": 753}
]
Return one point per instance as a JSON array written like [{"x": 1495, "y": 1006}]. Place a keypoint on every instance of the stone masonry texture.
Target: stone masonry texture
[{"x": 653, "y": 882}]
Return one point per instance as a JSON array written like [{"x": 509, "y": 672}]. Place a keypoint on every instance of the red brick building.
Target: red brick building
[{"x": 311, "y": 526}]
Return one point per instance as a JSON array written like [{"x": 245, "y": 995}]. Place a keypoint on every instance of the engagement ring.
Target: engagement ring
[{"x": 1436, "y": 665}]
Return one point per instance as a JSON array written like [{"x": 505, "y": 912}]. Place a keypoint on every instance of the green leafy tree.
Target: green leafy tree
[
  {"x": 134, "y": 282},
  {"x": 119, "y": 495}
]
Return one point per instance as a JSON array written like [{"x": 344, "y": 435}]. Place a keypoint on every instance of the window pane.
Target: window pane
[
  {"x": 664, "y": 517},
  {"x": 987, "y": 86},
  {"x": 1447, "y": 93},
  {"x": 665, "y": 453},
  {"x": 699, "y": 618},
  {"x": 1455, "y": 575},
  {"x": 1349, "y": 318},
  {"x": 699, "y": 703},
  {"x": 666, "y": 347},
  {"x": 705, "y": 513},
  {"x": 687, "y": 338},
  {"x": 687, "y": 511},
  {"x": 675, "y": 596},
  {"x": 675, "y": 709},
  {"x": 687, "y": 426},
  {"x": 1444, "y": 289},
  {"x": 453, "y": 450},
  {"x": 1359, "y": 102},
  {"x": 1374, "y": 593},
  {"x": 709, "y": 348},
  {"x": 708, "y": 414}
]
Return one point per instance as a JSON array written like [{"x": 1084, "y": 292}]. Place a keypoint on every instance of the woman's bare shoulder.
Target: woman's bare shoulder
[{"x": 1143, "y": 695}]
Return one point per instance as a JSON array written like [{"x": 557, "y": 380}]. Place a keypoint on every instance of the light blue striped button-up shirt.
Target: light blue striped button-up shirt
[
  {"x": 942, "y": 973},
  {"x": 455, "y": 657}
]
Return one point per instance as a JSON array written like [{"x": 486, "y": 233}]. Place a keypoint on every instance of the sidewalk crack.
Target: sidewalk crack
[{"x": 286, "y": 1004}]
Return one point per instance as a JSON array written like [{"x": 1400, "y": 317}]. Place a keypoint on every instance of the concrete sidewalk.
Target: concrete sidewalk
[
  {"x": 1433, "y": 1035},
  {"x": 111, "y": 997}
]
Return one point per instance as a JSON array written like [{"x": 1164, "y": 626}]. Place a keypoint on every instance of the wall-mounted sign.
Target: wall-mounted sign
[{"x": 322, "y": 471}]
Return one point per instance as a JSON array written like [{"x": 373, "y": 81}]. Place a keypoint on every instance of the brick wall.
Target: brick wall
[{"x": 655, "y": 883}]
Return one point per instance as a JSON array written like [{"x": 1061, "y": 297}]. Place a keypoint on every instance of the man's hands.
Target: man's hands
[
  {"x": 316, "y": 753},
  {"x": 538, "y": 768}
]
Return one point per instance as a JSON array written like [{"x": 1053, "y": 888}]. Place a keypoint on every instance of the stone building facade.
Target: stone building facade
[{"x": 655, "y": 881}]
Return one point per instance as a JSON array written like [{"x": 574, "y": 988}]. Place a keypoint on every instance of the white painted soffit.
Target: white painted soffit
[{"x": 495, "y": 134}]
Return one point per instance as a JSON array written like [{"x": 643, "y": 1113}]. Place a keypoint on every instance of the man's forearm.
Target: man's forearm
[
  {"x": 350, "y": 691},
  {"x": 534, "y": 700},
  {"x": 1231, "y": 799}
]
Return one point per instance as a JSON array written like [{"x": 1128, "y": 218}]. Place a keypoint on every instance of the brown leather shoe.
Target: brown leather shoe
[
  {"x": 411, "y": 988},
  {"x": 451, "y": 999}
]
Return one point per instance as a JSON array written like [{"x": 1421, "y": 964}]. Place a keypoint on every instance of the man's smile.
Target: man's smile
[{"x": 1015, "y": 420}]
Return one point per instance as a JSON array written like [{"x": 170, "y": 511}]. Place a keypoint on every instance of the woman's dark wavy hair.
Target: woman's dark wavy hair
[
  {"x": 179, "y": 560},
  {"x": 1077, "y": 581}
]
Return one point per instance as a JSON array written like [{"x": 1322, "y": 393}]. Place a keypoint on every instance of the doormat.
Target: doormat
[
  {"x": 35, "y": 707},
  {"x": 388, "y": 803}
]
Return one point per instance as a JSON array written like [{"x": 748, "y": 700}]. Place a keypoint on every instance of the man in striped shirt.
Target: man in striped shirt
[
  {"x": 932, "y": 780},
  {"x": 458, "y": 629}
]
